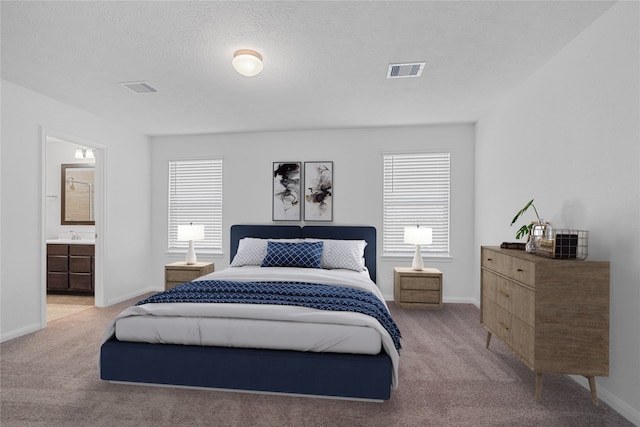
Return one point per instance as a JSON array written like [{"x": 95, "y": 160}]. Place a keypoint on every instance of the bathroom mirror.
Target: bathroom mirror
[{"x": 77, "y": 200}]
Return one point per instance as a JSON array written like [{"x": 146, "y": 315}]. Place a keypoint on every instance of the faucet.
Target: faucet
[{"x": 74, "y": 235}]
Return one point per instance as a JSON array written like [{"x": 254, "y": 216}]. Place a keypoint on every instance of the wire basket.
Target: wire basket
[{"x": 566, "y": 244}]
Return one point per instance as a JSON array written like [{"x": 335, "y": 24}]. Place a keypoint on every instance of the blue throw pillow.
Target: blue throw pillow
[{"x": 286, "y": 254}]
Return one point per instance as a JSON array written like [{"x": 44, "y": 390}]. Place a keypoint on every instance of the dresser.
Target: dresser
[
  {"x": 552, "y": 314},
  {"x": 417, "y": 288},
  {"x": 177, "y": 273},
  {"x": 70, "y": 268}
]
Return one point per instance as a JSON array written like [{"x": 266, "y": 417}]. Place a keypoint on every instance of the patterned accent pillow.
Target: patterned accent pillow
[
  {"x": 284, "y": 254},
  {"x": 346, "y": 254},
  {"x": 252, "y": 250}
]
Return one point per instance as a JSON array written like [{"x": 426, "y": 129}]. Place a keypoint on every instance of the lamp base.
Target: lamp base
[
  {"x": 417, "y": 263},
  {"x": 191, "y": 254}
]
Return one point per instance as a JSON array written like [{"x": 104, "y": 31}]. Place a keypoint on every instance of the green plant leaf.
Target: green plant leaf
[
  {"x": 525, "y": 229},
  {"x": 522, "y": 211}
]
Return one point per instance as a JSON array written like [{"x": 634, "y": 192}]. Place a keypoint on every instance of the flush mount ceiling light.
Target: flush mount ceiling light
[{"x": 247, "y": 62}]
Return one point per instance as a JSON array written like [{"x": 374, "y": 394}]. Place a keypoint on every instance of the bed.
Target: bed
[{"x": 335, "y": 370}]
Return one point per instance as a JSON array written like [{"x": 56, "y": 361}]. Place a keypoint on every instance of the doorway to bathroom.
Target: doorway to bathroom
[{"x": 72, "y": 223}]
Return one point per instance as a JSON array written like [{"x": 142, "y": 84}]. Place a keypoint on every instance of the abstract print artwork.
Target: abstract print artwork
[
  {"x": 318, "y": 193},
  {"x": 286, "y": 191}
]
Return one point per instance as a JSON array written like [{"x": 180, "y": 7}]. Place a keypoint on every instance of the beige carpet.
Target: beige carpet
[{"x": 447, "y": 378}]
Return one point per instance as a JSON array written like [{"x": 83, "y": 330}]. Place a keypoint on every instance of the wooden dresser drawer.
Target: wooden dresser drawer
[
  {"x": 511, "y": 296},
  {"x": 511, "y": 330},
  {"x": 522, "y": 270}
]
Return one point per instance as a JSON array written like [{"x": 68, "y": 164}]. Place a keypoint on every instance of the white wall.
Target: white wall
[
  {"x": 569, "y": 137},
  {"x": 126, "y": 259},
  {"x": 357, "y": 157}
]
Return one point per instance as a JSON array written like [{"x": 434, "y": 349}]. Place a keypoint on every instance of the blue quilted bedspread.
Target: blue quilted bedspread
[{"x": 324, "y": 297}]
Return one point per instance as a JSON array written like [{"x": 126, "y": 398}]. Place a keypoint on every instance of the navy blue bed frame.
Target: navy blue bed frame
[{"x": 335, "y": 375}]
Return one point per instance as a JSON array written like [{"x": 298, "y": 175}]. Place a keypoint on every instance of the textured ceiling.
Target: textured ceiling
[{"x": 325, "y": 63}]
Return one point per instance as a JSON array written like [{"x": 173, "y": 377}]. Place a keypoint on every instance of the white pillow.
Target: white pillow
[
  {"x": 346, "y": 254},
  {"x": 251, "y": 250}
]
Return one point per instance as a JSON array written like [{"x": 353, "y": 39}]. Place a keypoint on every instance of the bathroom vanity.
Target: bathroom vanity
[{"x": 70, "y": 267}]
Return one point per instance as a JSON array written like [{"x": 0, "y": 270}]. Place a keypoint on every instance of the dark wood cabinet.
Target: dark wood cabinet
[{"x": 70, "y": 268}]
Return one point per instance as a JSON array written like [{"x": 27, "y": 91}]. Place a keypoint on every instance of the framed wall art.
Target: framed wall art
[
  {"x": 286, "y": 191},
  {"x": 318, "y": 193}
]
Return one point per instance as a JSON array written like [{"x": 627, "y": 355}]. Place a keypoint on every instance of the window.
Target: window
[
  {"x": 416, "y": 191},
  {"x": 195, "y": 196}
]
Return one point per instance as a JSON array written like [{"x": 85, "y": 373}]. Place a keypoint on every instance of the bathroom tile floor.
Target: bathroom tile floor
[{"x": 59, "y": 306}]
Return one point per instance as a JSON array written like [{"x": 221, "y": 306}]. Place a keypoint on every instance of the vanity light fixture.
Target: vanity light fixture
[
  {"x": 247, "y": 62},
  {"x": 84, "y": 153}
]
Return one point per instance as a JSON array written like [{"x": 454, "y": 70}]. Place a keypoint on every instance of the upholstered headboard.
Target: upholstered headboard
[{"x": 366, "y": 233}]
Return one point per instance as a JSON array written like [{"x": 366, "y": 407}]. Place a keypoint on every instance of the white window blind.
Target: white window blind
[
  {"x": 416, "y": 191},
  {"x": 195, "y": 196}
]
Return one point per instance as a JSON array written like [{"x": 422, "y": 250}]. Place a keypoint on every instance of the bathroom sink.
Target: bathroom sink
[{"x": 72, "y": 242}]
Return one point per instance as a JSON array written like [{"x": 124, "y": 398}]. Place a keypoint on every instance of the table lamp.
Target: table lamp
[
  {"x": 190, "y": 233},
  {"x": 417, "y": 236}
]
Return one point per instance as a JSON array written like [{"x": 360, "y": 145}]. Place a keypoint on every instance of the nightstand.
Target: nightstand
[
  {"x": 417, "y": 288},
  {"x": 180, "y": 272}
]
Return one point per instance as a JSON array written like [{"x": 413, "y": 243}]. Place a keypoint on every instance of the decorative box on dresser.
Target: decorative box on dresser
[
  {"x": 552, "y": 314},
  {"x": 417, "y": 288},
  {"x": 177, "y": 273}
]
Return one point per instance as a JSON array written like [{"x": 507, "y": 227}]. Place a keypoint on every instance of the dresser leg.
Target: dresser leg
[
  {"x": 488, "y": 340},
  {"x": 594, "y": 392},
  {"x": 538, "y": 386}
]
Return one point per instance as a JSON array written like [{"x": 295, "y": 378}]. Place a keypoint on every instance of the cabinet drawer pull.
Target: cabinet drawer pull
[
  {"x": 520, "y": 270},
  {"x": 489, "y": 259},
  {"x": 503, "y": 325},
  {"x": 503, "y": 293}
]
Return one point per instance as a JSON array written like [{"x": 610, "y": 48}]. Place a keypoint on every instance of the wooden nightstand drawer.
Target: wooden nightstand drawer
[
  {"x": 180, "y": 272},
  {"x": 420, "y": 283},
  {"x": 417, "y": 288},
  {"x": 412, "y": 296},
  {"x": 182, "y": 275}
]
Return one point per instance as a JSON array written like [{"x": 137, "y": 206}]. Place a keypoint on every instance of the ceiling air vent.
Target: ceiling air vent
[
  {"x": 139, "y": 87},
  {"x": 412, "y": 69}
]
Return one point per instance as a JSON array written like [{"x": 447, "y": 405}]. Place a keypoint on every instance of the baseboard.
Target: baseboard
[
  {"x": 612, "y": 400},
  {"x": 20, "y": 332},
  {"x": 130, "y": 296}
]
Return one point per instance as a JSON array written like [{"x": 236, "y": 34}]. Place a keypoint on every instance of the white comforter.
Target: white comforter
[{"x": 261, "y": 326}]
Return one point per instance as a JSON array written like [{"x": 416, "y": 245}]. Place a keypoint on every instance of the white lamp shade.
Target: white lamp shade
[
  {"x": 191, "y": 232},
  {"x": 247, "y": 62},
  {"x": 418, "y": 236}
]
